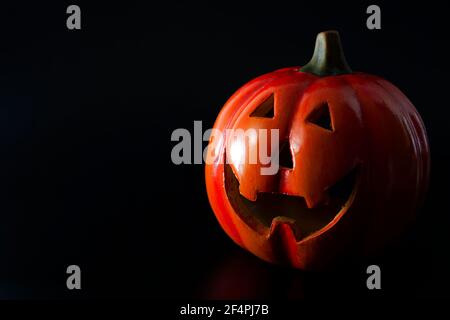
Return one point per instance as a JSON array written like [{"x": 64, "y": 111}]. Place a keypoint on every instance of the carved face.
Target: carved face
[
  {"x": 354, "y": 166},
  {"x": 318, "y": 166}
]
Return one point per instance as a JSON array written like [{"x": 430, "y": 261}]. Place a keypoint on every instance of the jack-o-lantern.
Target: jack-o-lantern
[{"x": 353, "y": 163}]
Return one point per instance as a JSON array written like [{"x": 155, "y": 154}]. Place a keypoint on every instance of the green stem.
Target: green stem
[{"x": 328, "y": 58}]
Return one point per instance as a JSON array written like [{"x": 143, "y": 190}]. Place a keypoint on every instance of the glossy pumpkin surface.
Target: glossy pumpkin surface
[{"x": 354, "y": 167}]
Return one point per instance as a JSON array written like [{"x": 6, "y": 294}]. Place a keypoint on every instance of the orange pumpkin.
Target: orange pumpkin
[{"x": 354, "y": 163}]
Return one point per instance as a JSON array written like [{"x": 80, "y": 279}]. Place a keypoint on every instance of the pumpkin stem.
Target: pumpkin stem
[{"x": 328, "y": 58}]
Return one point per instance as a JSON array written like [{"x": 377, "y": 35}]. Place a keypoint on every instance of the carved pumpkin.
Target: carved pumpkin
[{"x": 354, "y": 163}]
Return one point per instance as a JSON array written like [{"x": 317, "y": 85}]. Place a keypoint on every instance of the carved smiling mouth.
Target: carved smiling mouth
[{"x": 260, "y": 214}]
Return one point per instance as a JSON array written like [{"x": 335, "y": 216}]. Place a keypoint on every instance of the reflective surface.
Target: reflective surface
[{"x": 372, "y": 126}]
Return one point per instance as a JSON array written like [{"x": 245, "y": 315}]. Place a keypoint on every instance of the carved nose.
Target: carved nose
[
  {"x": 287, "y": 184},
  {"x": 285, "y": 157}
]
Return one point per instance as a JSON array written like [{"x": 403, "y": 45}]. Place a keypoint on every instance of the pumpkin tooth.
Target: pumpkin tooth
[
  {"x": 248, "y": 193},
  {"x": 283, "y": 234},
  {"x": 315, "y": 200},
  {"x": 282, "y": 220}
]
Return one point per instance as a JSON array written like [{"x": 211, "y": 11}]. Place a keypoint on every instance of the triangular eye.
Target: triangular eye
[
  {"x": 265, "y": 109},
  {"x": 285, "y": 159},
  {"x": 321, "y": 117}
]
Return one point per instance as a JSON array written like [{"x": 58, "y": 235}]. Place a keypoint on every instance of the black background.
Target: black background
[{"x": 86, "y": 117}]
